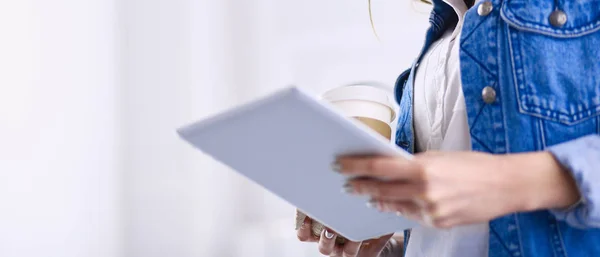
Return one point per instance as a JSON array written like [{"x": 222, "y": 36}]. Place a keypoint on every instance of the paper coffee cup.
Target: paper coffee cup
[{"x": 371, "y": 105}]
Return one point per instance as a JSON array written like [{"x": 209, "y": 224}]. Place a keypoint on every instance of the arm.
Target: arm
[
  {"x": 548, "y": 180},
  {"x": 581, "y": 159}
]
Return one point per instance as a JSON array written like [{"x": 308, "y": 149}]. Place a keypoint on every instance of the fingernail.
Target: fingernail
[
  {"x": 348, "y": 189},
  {"x": 372, "y": 204},
  {"x": 399, "y": 213},
  {"x": 336, "y": 167},
  {"x": 328, "y": 234}
]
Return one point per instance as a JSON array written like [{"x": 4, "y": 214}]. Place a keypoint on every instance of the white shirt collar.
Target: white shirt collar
[{"x": 460, "y": 8}]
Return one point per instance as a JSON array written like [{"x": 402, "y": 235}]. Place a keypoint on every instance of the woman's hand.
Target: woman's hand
[
  {"x": 445, "y": 189},
  {"x": 328, "y": 247}
]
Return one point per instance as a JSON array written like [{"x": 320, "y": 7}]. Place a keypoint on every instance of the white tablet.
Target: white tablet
[{"x": 287, "y": 143}]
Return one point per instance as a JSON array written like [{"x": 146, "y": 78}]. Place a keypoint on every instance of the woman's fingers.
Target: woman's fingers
[
  {"x": 433, "y": 217},
  {"x": 351, "y": 249},
  {"x": 305, "y": 231},
  {"x": 380, "y": 167},
  {"x": 338, "y": 251},
  {"x": 385, "y": 190},
  {"x": 407, "y": 209},
  {"x": 327, "y": 242}
]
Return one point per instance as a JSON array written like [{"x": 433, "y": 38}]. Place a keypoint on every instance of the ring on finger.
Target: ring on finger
[{"x": 328, "y": 234}]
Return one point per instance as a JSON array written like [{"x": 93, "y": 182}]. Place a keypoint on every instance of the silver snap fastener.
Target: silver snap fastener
[
  {"x": 558, "y": 18},
  {"x": 485, "y": 8},
  {"x": 488, "y": 94}
]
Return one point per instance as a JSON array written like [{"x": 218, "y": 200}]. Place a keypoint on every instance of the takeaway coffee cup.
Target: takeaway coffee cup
[{"x": 371, "y": 105}]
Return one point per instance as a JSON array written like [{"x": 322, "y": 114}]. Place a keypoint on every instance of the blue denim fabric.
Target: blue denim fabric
[
  {"x": 442, "y": 17},
  {"x": 547, "y": 83}
]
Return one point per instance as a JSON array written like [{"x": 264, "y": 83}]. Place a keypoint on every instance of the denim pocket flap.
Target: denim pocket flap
[
  {"x": 553, "y": 18},
  {"x": 556, "y": 71}
]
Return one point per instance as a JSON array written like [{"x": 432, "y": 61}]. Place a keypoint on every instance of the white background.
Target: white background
[{"x": 91, "y": 92}]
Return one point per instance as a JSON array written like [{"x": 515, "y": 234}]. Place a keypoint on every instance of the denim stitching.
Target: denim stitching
[
  {"x": 534, "y": 110},
  {"x": 483, "y": 67},
  {"x": 465, "y": 37},
  {"x": 551, "y": 33},
  {"x": 496, "y": 108},
  {"x": 473, "y": 136},
  {"x": 499, "y": 238},
  {"x": 562, "y": 242},
  {"x": 587, "y": 114},
  {"x": 510, "y": 18},
  {"x": 542, "y": 133},
  {"x": 482, "y": 144},
  {"x": 514, "y": 67},
  {"x": 519, "y": 233},
  {"x": 506, "y": 142},
  {"x": 502, "y": 106}
]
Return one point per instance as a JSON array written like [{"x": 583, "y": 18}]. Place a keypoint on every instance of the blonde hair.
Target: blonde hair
[{"x": 371, "y": 20}]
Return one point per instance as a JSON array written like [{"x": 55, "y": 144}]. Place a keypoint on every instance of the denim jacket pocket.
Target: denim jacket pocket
[
  {"x": 556, "y": 69},
  {"x": 581, "y": 16}
]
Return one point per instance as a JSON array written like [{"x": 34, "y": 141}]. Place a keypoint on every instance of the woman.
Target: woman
[{"x": 517, "y": 82}]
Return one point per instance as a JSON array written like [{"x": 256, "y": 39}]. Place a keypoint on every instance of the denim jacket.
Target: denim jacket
[{"x": 531, "y": 79}]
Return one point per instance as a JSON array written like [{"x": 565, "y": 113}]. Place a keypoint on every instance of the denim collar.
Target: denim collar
[{"x": 441, "y": 18}]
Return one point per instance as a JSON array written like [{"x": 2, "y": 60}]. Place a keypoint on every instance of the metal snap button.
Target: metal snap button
[
  {"x": 558, "y": 18},
  {"x": 488, "y": 94},
  {"x": 485, "y": 8}
]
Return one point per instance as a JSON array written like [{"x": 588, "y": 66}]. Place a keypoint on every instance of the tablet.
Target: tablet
[{"x": 286, "y": 142}]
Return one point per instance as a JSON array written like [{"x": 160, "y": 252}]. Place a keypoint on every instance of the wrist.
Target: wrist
[{"x": 542, "y": 183}]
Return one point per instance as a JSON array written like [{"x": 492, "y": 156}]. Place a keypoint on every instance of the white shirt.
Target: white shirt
[{"x": 440, "y": 123}]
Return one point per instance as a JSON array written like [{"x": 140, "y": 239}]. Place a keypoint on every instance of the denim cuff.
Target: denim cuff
[{"x": 581, "y": 157}]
